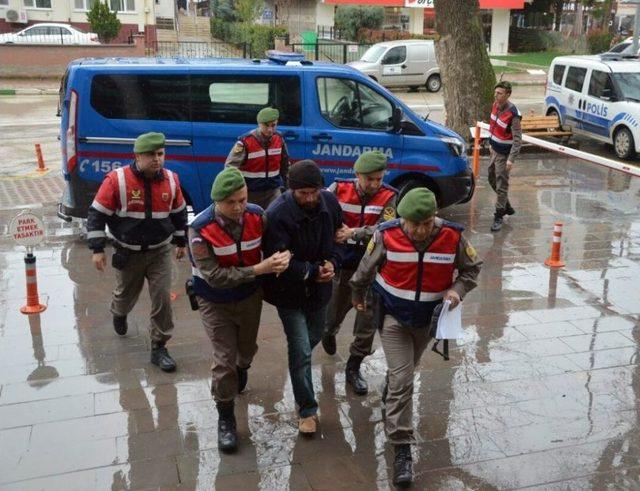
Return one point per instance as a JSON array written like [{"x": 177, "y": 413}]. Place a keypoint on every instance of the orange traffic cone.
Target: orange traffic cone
[
  {"x": 554, "y": 261},
  {"x": 33, "y": 301},
  {"x": 41, "y": 167}
]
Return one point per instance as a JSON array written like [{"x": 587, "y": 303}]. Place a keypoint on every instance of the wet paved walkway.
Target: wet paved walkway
[{"x": 542, "y": 393}]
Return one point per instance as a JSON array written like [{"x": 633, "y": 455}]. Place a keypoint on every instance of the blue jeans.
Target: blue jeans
[{"x": 304, "y": 331}]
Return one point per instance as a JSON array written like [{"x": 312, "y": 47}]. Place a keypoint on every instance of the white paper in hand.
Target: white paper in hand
[{"x": 450, "y": 322}]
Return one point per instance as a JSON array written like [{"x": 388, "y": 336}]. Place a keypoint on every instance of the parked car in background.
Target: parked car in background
[
  {"x": 624, "y": 48},
  {"x": 404, "y": 63},
  {"x": 49, "y": 33},
  {"x": 599, "y": 97}
]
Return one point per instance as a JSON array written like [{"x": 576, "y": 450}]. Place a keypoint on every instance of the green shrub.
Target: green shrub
[
  {"x": 523, "y": 40},
  {"x": 259, "y": 37},
  {"x": 366, "y": 35},
  {"x": 103, "y": 22},
  {"x": 350, "y": 19},
  {"x": 598, "y": 41}
]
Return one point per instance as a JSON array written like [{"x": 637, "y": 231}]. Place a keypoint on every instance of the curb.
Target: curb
[{"x": 29, "y": 91}]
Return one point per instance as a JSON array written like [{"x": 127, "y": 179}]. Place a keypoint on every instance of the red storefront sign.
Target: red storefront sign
[{"x": 484, "y": 4}]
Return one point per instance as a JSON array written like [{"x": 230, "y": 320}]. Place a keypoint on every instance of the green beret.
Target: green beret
[
  {"x": 418, "y": 205},
  {"x": 268, "y": 114},
  {"x": 227, "y": 183},
  {"x": 370, "y": 162},
  {"x": 148, "y": 142}
]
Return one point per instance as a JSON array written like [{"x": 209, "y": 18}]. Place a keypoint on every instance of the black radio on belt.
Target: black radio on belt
[{"x": 188, "y": 286}]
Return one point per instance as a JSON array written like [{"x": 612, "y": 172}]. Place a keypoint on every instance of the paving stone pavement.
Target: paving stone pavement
[{"x": 541, "y": 393}]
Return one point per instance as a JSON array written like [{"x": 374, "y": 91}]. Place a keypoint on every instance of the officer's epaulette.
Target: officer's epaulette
[
  {"x": 256, "y": 209},
  {"x": 203, "y": 218},
  {"x": 453, "y": 225},
  {"x": 389, "y": 224}
]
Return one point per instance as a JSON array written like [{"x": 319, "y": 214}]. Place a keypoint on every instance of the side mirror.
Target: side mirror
[{"x": 396, "y": 119}]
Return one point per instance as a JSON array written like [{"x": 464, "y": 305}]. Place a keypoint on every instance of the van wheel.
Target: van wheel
[
  {"x": 412, "y": 184},
  {"x": 553, "y": 112},
  {"x": 434, "y": 83},
  {"x": 623, "y": 143}
]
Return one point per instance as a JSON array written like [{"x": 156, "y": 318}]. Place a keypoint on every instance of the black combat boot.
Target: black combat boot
[
  {"x": 402, "y": 473},
  {"x": 497, "y": 221},
  {"x": 353, "y": 377},
  {"x": 508, "y": 210},
  {"x": 120, "y": 324},
  {"x": 161, "y": 357},
  {"x": 227, "y": 437},
  {"x": 242, "y": 378},
  {"x": 329, "y": 343}
]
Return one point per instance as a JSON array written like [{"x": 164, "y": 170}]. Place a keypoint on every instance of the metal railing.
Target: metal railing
[
  {"x": 330, "y": 32},
  {"x": 50, "y": 37},
  {"x": 333, "y": 52},
  {"x": 194, "y": 49}
]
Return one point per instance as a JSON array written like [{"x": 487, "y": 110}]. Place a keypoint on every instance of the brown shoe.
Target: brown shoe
[{"x": 308, "y": 426}]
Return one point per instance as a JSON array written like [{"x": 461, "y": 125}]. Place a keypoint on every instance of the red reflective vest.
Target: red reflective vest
[
  {"x": 500, "y": 128},
  {"x": 411, "y": 283},
  {"x": 354, "y": 212},
  {"x": 230, "y": 253},
  {"x": 122, "y": 196},
  {"x": 261, "y": 162}
]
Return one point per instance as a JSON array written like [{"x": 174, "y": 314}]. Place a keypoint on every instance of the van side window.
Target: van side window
[
  {"x": 145, "y": 97},
  {"x": 558, "y": 73},
  {"x": 395, "y": 56},
  {"x": 348, "y": 104},
  {"x": 600, "y": 84},
  {"x": 575, "y": 78},
  {"x": 238, "y": 98}
]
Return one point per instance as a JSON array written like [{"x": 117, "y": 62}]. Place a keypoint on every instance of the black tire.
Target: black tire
[
  {"x": 434, "y": 83},
  {"x": 623, "y": 143},
  {"x": 404, "y": 188},
  {"x": 413, "y": 88},
  {"x": 473, "y": 190},
  {"x": 553, "y": 112}
]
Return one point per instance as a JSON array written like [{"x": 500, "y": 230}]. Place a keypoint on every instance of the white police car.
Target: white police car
[{"x": 598, "y": 96}]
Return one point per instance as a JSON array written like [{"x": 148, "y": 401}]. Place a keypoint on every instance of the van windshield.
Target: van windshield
[
  {"x": 373, "y": 54},
  {"x": 629, "y": 85}
]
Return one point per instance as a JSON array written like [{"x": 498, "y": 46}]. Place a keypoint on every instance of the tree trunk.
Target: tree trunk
[
  {"x": 558, "y": 7},
  {"x": 467, "y": 75},
  {"x": 578, "y": 20}
]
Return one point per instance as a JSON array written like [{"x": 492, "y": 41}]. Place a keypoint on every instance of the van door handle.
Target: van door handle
[
  {"x": 290, "y": 135},
  {"x": 323, "y": 137},
  {"x": 403, "y": 66}
]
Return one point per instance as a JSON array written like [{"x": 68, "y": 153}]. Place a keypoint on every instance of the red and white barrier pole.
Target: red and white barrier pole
[
  {"x": 554, "y": 260},
  {"x": 33, "y": 300},
  {"x": 41, "y": 166}
]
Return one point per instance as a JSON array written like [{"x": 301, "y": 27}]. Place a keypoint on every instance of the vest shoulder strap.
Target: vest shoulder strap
[
  {"x": 255, "y": 209},
  {"x": 202, "y": 219},
  {"x": 389, "y": 224},
  {"x": 453, "y": 225}
]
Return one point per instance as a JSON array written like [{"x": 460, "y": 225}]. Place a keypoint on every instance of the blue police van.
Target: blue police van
[{"x": 329, "y": 113}]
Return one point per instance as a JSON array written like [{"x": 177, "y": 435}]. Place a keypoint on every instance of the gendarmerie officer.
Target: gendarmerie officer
[
  {"x": 366, "y": 201},
  {"x": 262, "y": 157},
  {"x": 225, "y": 243},
  {"x": 411, "y": 262},
  {"x": 505, "y": 141},
  {"x": 143, "y": 205}
]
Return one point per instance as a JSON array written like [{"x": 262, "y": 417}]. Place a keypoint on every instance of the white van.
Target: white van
[
  {"x": 403, "y": 63},
  {"x": 598, "y": 96}
]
